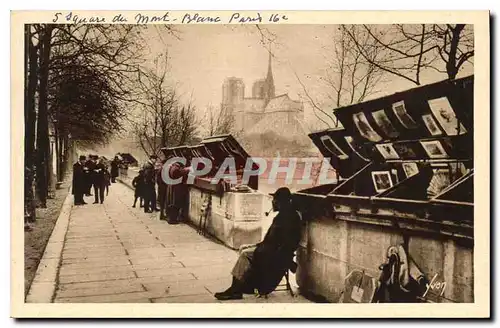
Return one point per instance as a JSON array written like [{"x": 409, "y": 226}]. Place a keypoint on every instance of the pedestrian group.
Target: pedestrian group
[{"x": 92, "y": 173}]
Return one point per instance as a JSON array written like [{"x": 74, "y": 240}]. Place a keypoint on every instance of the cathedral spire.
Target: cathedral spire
[{"x": 269, "y": 88}]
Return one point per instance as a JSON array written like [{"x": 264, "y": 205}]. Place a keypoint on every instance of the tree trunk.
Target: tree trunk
[
  {"x": 451, "y": 65},
  {"x": 43, "y": 124},
  {"x": 30, "y": 80}
]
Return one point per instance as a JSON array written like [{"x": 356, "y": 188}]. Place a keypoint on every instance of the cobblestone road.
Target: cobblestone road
[{"x": 115, "y": 253}]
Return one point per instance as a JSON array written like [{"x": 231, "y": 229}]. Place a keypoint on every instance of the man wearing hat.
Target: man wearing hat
[
  {"x": 79, "y": 183},
  {"x": 150, "y": 185},
  {"x": 262, "y": 266}
]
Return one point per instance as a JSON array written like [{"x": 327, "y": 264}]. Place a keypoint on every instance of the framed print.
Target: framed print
[
  {"x": 332, "y": 147},
  {"x": 350, "y": 142},
  {"x": 364, "y": 128},
  {"x": 404, "y": 118},
  {"x": 404, "y": 150},
  {"x": 385, "y": 123},
  {"x": 410, "y": 168},
  {"x": 431, "y": 125},
  {"x": 434, "y": 149},
  {"x": 387, "y": 151},
  {"x": 381, "y": 180},
  {"x": 444, "y": 113}
]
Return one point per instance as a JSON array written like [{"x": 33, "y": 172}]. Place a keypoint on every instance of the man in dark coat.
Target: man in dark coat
[
  {"x": 99, "y": 182},
  {"x": 150, "y": 185},
  {"x": 90, "y": 165},
  {"x": 114, "y": 169},
  {"x": 176, "y": 195},
  {"x": 262, "y": 266},
  {"x": 162, "y": 191},
  {"x": 79, "y": 183}
]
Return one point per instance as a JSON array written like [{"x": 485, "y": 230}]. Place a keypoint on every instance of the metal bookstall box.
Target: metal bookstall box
[
  {"x": 231, "y": 212},
  {"x": 405, "y": 163}
]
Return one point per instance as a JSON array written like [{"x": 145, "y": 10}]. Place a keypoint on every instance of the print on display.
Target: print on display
[
  {"x": 434, "y": 149},
  {"x": 385, "y": 124},
  {"x": 381, "y": 180},
  {"x": 332, "y": 147},
  {"x": 387, "y": 151},
  {"x": 410, "y": 169},
  {"x": 404, "y": 118},
  {"x": 444, "y": 113},
  {"x": 350, "y": 142},
  {"x": 431, "y": 125},
  {"x": 365, "y": 128}
]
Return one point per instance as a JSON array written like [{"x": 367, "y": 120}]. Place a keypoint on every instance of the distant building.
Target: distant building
[{"x": 263, "y": 111}]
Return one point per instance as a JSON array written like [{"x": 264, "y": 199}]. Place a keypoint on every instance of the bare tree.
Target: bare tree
[
  {"x": 79, "y": 80},
  {"x": 163, "y": 120},
  {"x": 349, "y": 77},
  {"x": 219, "y": 121},
  {"x": 407, "y": 50}
]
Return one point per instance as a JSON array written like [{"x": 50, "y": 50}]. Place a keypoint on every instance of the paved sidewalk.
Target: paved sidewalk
[{"x": 115, "y": 253}]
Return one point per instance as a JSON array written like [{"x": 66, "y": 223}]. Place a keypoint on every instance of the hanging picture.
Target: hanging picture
[
  {"x": 445, "y": 115},
  {"x": 365, "y": 128},
  {"x": 404, "y": 118},
  {"x": 431, "y": 125},
  {"x": 387, "y": 151},
  {"x": 381, "y": 180},
  {"x": 350, "y": 142},
  {"x": 410, "y": 169},
  {"x": 405, "y": 150},
  {"x": 385, "y": 124},
  {"x": 332, "y": 147},
  {"x": 434, "y": 149}
]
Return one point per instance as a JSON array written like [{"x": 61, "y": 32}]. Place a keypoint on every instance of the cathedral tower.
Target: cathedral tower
[{"x": 269, "y": 91}]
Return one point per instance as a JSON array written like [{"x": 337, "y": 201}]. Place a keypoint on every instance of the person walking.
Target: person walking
[
  {"x": 98, "y": 181},
  {"x": 138, "y": 184},
  {"x": 79, "y": 185},
  {"x": 89, "y": 180},
  {"x": 149, "y": 185},
  {"x": 114, "y": 169}
]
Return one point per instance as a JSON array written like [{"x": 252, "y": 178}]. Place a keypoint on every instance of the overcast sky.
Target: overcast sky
[{"x": 206, "y": 54}]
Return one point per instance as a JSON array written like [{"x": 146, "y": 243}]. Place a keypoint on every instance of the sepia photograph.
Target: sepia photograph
[
  {"x": 431, "y": 125},
  {"x": 228, "y": 159},
  {"x": 404, "y": 118},
  {"x": 385, "y": 124},
  {"x": 387, "y": 151},
  {"x": 364, "y": 127},
  {"x": 381, "y": 180},
  {"x": 446, "y": 117},
  {"x": 434, "y": 149}
]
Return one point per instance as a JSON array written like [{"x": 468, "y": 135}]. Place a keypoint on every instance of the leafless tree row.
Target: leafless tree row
[
  {"x": 79, "y": 82},
  {"x": 163, "y": 120}
]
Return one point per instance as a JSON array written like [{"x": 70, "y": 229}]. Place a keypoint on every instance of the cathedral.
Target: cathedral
[{"x": 263, "y": 112}]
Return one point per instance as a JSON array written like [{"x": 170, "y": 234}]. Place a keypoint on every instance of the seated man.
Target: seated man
[{"x": 263, "y": 266}]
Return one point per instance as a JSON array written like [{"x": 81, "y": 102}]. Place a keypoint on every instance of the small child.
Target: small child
[{"x": 138, "y": 184}]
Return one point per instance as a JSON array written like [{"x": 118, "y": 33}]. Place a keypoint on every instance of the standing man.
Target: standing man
[
  {"x": 177, "y": 194},
  {"x": 149, "y": 185},
  {"x": 162, "y": 191},
  {"x": 114, "y": 169},
  {"x": 99, "y": 181},
  {"x": 79, "y": 185},
  {"x": 90, "y": 165}
]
